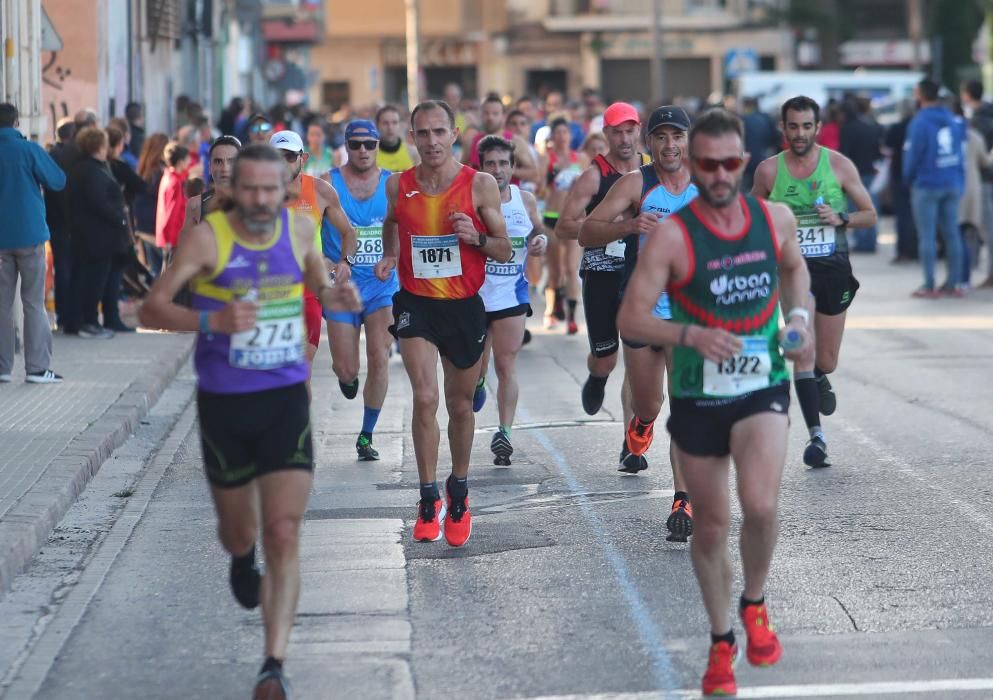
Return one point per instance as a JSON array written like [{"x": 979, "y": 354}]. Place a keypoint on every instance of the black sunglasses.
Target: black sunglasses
[
  {"x": 355, "y": 144},
  {"x": 710, "y": 165},
  {"x": 291, "y": 156}
]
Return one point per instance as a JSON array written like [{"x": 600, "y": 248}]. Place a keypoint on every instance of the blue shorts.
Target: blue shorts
[{"x": 374, "y": 298}]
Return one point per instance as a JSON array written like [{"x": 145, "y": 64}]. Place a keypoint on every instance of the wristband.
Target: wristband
[
  {"x": 205, "y": 322},
  {"x": 801, "y": 312}
]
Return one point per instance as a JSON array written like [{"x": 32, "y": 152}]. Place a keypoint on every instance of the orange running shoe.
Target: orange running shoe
[
  {"x": 764, "y": 648},
  {"x": 572, "y": 328},
  {"x": 719, "y": 677},
  {"x": 639, "y": 436},
  {"x": 458, "y": 522},
  {"x": 430, "y": 515},
  {"x": 680, "y": 522}
]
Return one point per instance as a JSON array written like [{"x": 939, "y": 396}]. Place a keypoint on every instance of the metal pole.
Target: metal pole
[
  {"x": 914, "y": 30},
  {"x": 413, "y": 56},
  {"x": 656, "y": 67}
]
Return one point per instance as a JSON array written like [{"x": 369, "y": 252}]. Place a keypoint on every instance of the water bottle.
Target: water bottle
[
  {"x": 790, "y": 339},
  {"x": 819, "y": 201}
]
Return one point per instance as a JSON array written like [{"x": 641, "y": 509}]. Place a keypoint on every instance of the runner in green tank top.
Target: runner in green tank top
[
  {"x": 728, "y": 263},
  {"x": 816, "y": 183}
]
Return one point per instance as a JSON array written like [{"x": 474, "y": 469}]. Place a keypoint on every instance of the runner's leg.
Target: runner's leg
[
  {"x": 377, "y": 348},
  {"x": 459, "y": 387},
  {"x": 420, "y": 359},
  {"x": 343, "y": 339},
  {"x": 507, "y": 334},
  {"x": 237, "y": 517}
]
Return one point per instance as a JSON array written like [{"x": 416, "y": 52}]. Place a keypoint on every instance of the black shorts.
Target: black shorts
[
  {"x": 510, "y": 312},
  {"x": 247, "y": 435},
  {"x": 456, "y": 326},
  {"x": 601, "y": 302},
  {"x": 549, "y": 222},
  {"x": 702, "y": 427},
  {"x": 833, "y": 286}
]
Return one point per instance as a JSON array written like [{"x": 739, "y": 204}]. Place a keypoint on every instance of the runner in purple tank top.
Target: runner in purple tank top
[{"x": 247, "y": 269}]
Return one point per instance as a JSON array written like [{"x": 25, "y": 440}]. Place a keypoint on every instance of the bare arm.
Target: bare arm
[
  {"x": 537, "y": 240},
  {"x": 525, "y": 166},
  {"x": 794, "y": 279},
  {"x": 342, "y": 295},
  {"x": 851, "y": 183},
  {"x": 612, "y": 218},
  {"x": 765, "y": 178},
  {"x": 574, "y": 209},
  {"x": 391, "y": 234},
  {"x": 336, "y": 217},
  {"x": 193, "y": 215},
  {"x": 486, "y": 198}
]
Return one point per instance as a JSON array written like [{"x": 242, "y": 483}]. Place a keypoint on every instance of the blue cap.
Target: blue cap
[{"x": 361, "y": 127}]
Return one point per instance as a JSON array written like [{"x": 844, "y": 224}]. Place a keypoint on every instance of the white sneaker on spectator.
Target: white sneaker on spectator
[
  {"x": 6, "y": 378},
  {"x": 93, "y": 331},
  {"x": 45, "y": 377}
]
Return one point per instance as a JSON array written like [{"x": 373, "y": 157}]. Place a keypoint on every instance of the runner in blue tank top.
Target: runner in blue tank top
[
  {"x": 361, "y": 187},
  {"x": 637, "y": 202},
  {"x": 248, "y": 268}
]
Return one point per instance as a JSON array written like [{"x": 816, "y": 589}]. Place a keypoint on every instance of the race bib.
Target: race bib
[
  {"x": 512, "y": 267},
  {"x": 816, "y": 240},
  {"x": 370, "y": 248},
  {"x": 277, "y": 340},
  {"x": 745, "y": 372},
  {"x": 615, "y": 249},
  {"x": 435, "y": 257},
  {"x": 565, "y": 179}
]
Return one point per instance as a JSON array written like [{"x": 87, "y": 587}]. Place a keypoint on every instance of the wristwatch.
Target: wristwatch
[
  {"x": 843, "y": 215},
  {"x": 350, "y": 259},
  {"x": 482, "y": 240}
]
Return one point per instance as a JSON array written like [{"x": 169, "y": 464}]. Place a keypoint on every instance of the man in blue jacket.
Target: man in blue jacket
[
  {"x": 934, "y": 169},
  {"x": 26, "y": 170}
]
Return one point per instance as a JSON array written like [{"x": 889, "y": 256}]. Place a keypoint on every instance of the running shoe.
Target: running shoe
[
  {"x": 430, "y": 516},
  {"x": 572, "y": 328},
  {"x": 367, "y": 453},
  {"x": 351, "y": 389},
  {"x": 458, "y": 521},
  {"x": 593, "y": 393},
  {"x": 952, "y": 290},
  {"x": 815, "y": 454},
  {"x": 558, "y": 308},
  {"x": 246, "y": 583},
  {"x": 91, "y": 330},
  {"x": 527, "y": 337},
  {"x": 719, "y": 677},
  {"x": 501, "y": 448},
  {"x": 6, "y": 378},
  {"x": 925, "y": 293},
  {"x": 764, "y": 648},
  {"x": 551, "y": 323},
  {"x": 639, "y": 436},
  {"x": 631, "y": 463},
  {"x": 44, "y": 377},
  {"x": 272, "y": 685},
  {"x": 680, "y": 522},
  {"x": 479, "y": 396},
  {"x": 827, "y": 400}
]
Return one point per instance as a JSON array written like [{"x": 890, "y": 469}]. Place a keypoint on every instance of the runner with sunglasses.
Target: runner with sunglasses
[
  {"x": 637, "y": 202},
  {"x": 316, "y": 198},
  {"x": 361, "y": 187},
  {"x": 727, "y": 261},
  {"x": 259, "y": 128},
  {"x": 817, "y": 184}
]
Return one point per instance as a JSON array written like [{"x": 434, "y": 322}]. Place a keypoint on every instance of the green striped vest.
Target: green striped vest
[{"x": 734, "y": 285}]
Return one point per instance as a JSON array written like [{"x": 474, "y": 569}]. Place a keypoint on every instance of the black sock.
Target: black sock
[
  {"x": 571, "y": 309},
  {"x": 745, "y": 602},
  {"x": 458, "y": 489},
  {"x": 818, "y": 373},
  {"x": 429, "y": 492},
  {"x": 271, "y": 664},
  {"x": 602, "y": 381},
  {"x": 729, "y": 637},
  {"x": 680, "y": 496},
  {"x": 809, "y": 398},
  {"x": 246, "y": 561}
]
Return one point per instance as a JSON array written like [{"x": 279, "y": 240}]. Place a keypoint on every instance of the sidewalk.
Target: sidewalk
[{"x": 53, "y": 438}]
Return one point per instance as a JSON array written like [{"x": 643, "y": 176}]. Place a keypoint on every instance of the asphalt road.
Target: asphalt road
[{"x": 880, "y": 587}]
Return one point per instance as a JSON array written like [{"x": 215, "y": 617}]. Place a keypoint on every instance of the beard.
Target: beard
[
  {"x": 251, "y": 218},
  {"x": 803, "y": 149},
  {"x": 719, "y": 201}
]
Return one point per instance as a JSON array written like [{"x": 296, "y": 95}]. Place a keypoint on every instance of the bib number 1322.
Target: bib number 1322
[{"x": 745, "y": 372}]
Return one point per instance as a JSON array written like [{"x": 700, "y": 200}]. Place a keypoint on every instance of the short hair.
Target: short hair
[
  {"x": 929, "y": 89},
  {"x": 8, "y": 115},
  {"x": 556, "y": 123},
  {"x": 85, "y": 118},
  {"x": 120, "y": 124},
  {"x": 430, "y": 105},
  {"x": 492, "y": 98},
  {"x": 802, "y": 103},
  {"x": 258, "y": 153},
  {"x": 133, "y": 111},
  {"x": 115, "y": 137},
  {"x": 386, "y": 109},
  {"x": 495, "y": 143},
  {"x": 524, "y": 98},
  {"x": 717, "y": 121},
  {"x": 174, "y": 153},
  {"x": 66, "y": 129},
  {"x": 90, "y": 140},
  {"x": 973, "y": 88},
  {"x": 515, "y": 113},
  {"x": 223, "y": 141}
]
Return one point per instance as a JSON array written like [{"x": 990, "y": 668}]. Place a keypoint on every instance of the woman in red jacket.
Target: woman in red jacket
[{"x": 171, "y": 207}]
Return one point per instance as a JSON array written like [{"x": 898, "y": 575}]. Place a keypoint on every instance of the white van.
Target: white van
[{"x": 885, "y": 88}]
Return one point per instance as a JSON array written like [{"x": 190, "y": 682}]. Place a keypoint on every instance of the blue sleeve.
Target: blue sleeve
[
  {"x": 46, "y": 170},
  {"x": 913, "y": 151}
]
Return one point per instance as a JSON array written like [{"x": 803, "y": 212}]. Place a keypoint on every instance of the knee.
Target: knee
[
  {"x": 378, "y": 359},
  {"x": 760, "y": 511},
  {"x": 459, "y": 407},
  {"x": 281, "y": 537},
  {"x": 426, "y": 400},
  {"x": 504, "y": 365},
  {"x": 237, "y": 538},
  {"x": 345, "y": 370},
  {"x": 827, "y": 362},
  {"x": 709, "y": 532}
]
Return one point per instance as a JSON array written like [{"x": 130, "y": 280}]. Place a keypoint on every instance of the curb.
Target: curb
[{"x": 27, "y": 526}]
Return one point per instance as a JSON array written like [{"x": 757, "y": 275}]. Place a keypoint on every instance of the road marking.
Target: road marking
[
  {"x": 650, "y": 632},
  {"x": 808, "y": 691}
]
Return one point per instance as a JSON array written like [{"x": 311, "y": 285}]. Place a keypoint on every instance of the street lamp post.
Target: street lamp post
[
  {"x": 656, "y": 67},
  {"x": 413, "y": 56}
]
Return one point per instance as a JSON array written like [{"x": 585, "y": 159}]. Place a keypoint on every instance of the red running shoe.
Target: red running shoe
[
  {"x": 640, "y": 436},
  {"x": 430, "y": 515},
  {"x": 458, "y": 522},
  {"x": 719, "y": 677},
  {"x": 764, "y": 648}
]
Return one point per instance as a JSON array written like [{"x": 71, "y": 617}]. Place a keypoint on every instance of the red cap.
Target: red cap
[{"x": 620, "y": 112}]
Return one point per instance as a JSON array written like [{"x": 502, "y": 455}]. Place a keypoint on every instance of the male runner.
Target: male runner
[
  {"x": 316, "y": 198},
  {"x": 643, "y": 197},
  {"x": 816, "y": 183},
  {"x": 505, "y": 290},
  {"x": 221, "y": 157},
  {"x": 726, "y": 259},
  {"x": 492, "y": 117},
  {"x": 361, "y": 187},
  {"x": 248, "y": 268},
  {"x": 393, "y": 154},
  {"x": 602, "y": 267},
  {"x": 443, "y": 221},
  {"x": 564, "y": 166}
]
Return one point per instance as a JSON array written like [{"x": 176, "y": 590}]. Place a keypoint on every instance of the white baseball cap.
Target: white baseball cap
[{"x": 287, "y": 140}]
